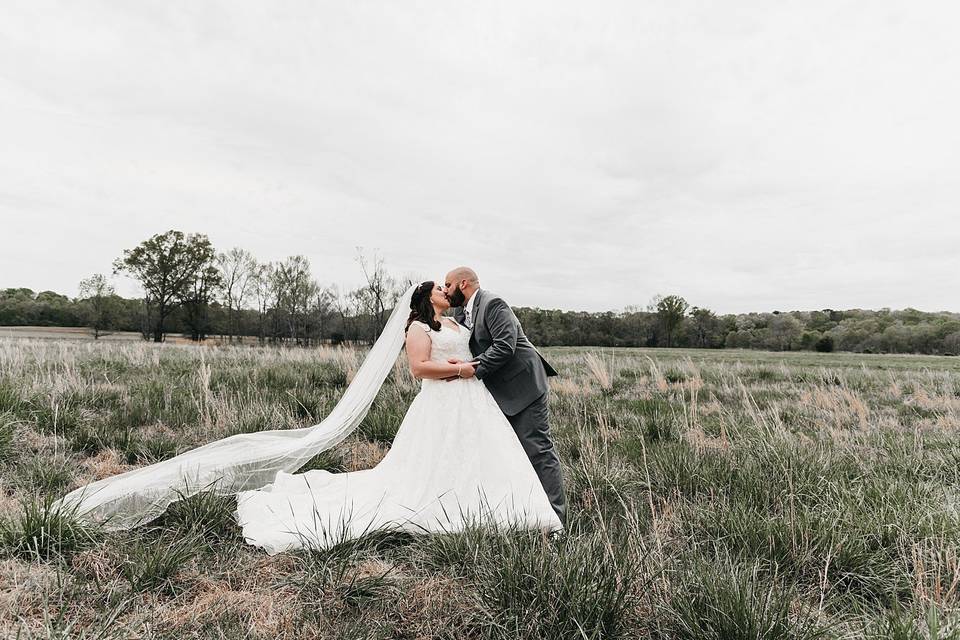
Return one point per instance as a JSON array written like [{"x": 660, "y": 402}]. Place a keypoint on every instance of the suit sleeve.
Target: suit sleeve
[{"x": 503, "y": 332}]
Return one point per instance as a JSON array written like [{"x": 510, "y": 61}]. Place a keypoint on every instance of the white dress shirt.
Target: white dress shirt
[{"x": 468, "y": 309}]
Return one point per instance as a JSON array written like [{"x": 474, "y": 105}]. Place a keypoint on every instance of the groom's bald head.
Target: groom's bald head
[
  {"x": 463, "y": 273},
  {"x": 460, "y": 284}
]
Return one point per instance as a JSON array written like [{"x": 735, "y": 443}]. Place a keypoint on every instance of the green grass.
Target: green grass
[
  {"x": 152, "y": 564},
  {"x": 712, "y": 494},
  {"x": 41, "y": 531}
]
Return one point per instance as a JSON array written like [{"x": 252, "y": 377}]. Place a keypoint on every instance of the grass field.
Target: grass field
[{"x": 713, "y": 494}]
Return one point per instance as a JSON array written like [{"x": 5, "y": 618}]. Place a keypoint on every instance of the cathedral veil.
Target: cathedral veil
[{"x": 243, "y": 461}]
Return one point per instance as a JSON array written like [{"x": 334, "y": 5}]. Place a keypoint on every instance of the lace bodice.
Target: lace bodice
[{"x": 447, "y": 343}]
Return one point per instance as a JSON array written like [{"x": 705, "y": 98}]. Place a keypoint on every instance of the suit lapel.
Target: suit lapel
[
  {"x": 479, "y": 304},
  {"x": 475, "y": 315}
]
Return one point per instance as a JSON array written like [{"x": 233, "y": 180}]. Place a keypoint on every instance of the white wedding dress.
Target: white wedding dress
[{"x": 455, "y": 460}]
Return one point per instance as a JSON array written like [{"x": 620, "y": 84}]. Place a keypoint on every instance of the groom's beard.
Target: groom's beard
[{"x": 457, "y": 298}]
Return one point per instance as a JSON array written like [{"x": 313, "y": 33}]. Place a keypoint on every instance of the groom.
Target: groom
[{"x": 513, "y": 371}]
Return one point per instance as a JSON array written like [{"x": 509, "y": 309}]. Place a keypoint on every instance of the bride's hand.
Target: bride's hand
[{"x": 452, "y": 361}]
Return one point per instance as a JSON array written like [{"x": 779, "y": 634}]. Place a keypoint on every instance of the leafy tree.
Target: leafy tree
[
  {"x": 167, "y": 266},
  {"x": 99, "y": 297},
  {"x": 824, "y": 344},
  {"x": 196, "y": 301},
  {"x": 53, "y": 309},
  {"x": 784, "y": 331},
  {"x": 808, "y": 340},
  {"x": 705, "y": 325},
  {"x": 951, "y": 344},
  {"x": 671, "y": 311}
]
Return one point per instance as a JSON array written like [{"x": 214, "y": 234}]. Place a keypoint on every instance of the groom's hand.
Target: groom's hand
[
  {"x": 452, "y": 361},
  {"x": 468, "y": 370}
]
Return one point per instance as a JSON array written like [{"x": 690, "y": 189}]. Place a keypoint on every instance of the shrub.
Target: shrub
[{"x": 824, "y": 344}]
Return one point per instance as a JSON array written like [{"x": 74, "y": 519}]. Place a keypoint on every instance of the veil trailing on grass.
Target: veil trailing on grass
[{"x": 243, "y": 461}]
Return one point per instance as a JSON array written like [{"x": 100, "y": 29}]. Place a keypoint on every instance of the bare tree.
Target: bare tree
[
  {"x": 294, "y": 288},
  {"x": 322, "y": 307},
  {"x": 237, "y": 274},
  {"x": 380, "y": 292},
  {"x": 264, "y": 294},
  {"x": 343, "y": 303}
]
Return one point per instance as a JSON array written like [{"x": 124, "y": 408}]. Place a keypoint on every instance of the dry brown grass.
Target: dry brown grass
[
  {"x": 357, "y": 454},
  {"x": 265, "y": 612},
  {"x": 104, "y": 463},
  {"x": 24, "y": 587},
  {"x": 837, "y": 406},
  {"x": 624, "y": 420}
]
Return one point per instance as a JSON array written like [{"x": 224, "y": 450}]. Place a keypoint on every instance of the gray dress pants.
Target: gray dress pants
[{"x": 533, "y": 431}]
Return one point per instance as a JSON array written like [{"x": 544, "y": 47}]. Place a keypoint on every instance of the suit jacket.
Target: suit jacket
[{"x": 511, "y": 368}]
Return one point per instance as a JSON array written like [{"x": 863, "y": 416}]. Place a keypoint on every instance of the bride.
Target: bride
[{"x": 455, "y": 459}]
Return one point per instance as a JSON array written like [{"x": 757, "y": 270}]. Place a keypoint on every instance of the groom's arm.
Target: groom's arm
[{"x": 503, "y": 332}]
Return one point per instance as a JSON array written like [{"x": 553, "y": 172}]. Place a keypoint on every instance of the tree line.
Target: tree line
[
  {"x": 678, "y": 325},
  {"x": 192, "y": 289}
]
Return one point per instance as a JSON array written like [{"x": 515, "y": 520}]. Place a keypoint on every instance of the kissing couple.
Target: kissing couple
[{"x": 473, "y": 447}]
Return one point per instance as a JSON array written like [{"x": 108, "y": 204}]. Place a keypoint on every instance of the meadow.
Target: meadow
[{"x": 713, "y": 494}]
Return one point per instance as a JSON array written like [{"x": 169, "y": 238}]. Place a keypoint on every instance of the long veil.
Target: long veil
[{"x": 243, "y": 461}]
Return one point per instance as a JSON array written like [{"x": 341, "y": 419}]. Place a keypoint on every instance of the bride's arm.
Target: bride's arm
[{"x": 418, "y": 354}]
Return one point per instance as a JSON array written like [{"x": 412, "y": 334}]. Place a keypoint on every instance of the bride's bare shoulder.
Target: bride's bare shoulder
[{"x": 418, "y": 341}]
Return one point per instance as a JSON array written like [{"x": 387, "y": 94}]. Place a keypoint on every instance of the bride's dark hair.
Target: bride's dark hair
[{"x": 420, "y": 306}]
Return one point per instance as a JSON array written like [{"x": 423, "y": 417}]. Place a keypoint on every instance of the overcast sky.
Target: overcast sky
[{"x": 746, "y": 155}]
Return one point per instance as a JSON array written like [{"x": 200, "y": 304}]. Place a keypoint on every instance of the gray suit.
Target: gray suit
[{"x": 516, "y": 375}]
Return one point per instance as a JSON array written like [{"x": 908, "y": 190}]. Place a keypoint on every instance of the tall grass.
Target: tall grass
[
  {"x": 711, "y": 495},
  {"x": 723, "y": 600},
  {"x": 41, "y": 530}
]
